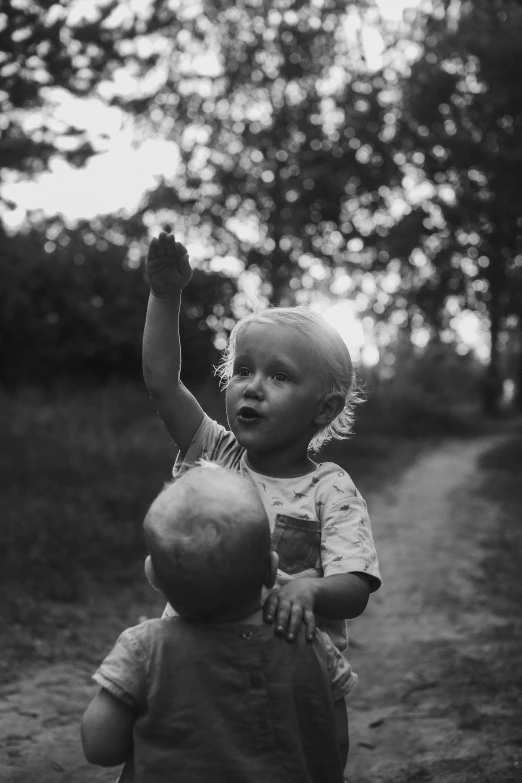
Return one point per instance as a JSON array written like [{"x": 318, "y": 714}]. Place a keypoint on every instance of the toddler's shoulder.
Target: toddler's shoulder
[
  {"x": 140, "y": 636},
  {"x": 161, "y": 645},
  {"x": 330, "y": 477},
  {"x": 211, "y": 442}
]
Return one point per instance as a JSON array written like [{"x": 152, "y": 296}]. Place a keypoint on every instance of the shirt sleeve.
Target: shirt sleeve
[
  {"x": 346, "y": 535},
  {"x": 342, "y": 678},
  {"x": 211, "y": 442},
  {"x": 123, "y": 672}
]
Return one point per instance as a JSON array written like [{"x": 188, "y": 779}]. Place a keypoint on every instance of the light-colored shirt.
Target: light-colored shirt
[
  {"x": 319, "y": 521},
  {"x": 224, "y": 702}
]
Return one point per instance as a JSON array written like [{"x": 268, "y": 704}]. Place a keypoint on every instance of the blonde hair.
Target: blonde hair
[
  {"x": 333, "y": 360},
  {"x": 208, "y": 538}
]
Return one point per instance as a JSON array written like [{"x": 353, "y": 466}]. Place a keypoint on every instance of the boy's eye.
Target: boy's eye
[
  {"x": 243, "y": 372},
  {"x": 280, "y": 376}
]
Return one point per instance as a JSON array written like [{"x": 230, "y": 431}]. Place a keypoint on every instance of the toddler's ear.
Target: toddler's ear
[
  {"x": 329, "y": 408},
  {"x": 149, "y": 573},
  {"x": 271, "y": 569}
]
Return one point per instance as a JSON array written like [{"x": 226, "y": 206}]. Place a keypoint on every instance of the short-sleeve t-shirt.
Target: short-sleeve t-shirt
[
  {"x": 319, "y": 521},
  {"x": 224, "y": 702}
]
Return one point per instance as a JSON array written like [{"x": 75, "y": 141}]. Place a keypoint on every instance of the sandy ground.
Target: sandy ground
[
  {"x": 415, "y": 716},
  {"x": 410, "y": 721}
]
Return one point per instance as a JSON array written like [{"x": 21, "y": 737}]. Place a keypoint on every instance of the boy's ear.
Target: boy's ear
[
  {"x": 271, "y": 569},
  {"x": 149, "y": 573},
  {"x": 330, "y": 407}
]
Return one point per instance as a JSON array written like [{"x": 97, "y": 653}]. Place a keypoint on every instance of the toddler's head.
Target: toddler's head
[
  {"x": 208, "y": 539},
  {"x": 328, "y": 351}
]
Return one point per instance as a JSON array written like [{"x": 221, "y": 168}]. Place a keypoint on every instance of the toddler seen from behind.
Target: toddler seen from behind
[{"x": 212, "y": 693}]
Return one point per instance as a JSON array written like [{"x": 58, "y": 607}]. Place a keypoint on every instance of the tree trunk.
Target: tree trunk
[
  {"x": 492, "y": 384},
  {"x": 518, "y": 379}
]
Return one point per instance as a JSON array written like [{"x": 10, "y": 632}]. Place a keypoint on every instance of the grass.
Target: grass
[
  {"x": 501, "y": 581},
  {"x": 79, "y": 472},
  {"x": 79, "y": 469},
  {"x": 502, "y": 562}
]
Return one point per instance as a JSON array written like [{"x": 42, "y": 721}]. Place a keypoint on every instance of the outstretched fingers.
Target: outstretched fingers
[
  {"x": 309, "y": 621},
  {"x": 270, "y": 607},
  {"x": 170, "y": 245},
  {"x": 288, "y": 614},
  {"x": 162, "y": 243},
  {"x": 295, "y": 618},
  {"x": 154, "y": 248}
]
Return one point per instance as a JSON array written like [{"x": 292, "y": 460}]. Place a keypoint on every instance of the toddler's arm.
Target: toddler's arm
[
  {"x": 169, "y": 271},
  {"x": 336, "y": 597},
  {"x": 107, "y": 730}
]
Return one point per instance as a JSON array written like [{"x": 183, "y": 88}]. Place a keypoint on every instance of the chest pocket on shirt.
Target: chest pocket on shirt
[{"x": 297, "y": 542}]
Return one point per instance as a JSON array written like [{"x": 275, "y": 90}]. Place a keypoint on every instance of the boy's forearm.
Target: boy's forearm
[
  {"x": 161, "y": 346},
  {"x": 341, "y": 596}
]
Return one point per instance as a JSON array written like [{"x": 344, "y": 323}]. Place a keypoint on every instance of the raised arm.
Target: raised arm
[{"x": 169, "y": 271}]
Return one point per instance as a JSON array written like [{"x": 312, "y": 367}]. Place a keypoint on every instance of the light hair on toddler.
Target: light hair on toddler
[
  {"x": 208, "y": 538},
  {"x": 330, "y": 352}
]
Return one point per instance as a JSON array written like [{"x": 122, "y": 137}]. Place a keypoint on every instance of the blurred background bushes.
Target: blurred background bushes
[{"x": 73, "y": 310}]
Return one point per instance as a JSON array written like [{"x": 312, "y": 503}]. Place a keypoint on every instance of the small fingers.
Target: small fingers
[
  {"x": 171, "y": 245},
  {"x": 162, "y": 243},
  {"x": 283, "y": 614},
  {"x": 309, "y": 621},
  {"x": 153, "y": 248},
  {"x": 179, "y": 251},
  {"x": 294, "y": 623},
  {"x": 270, "y": 607}
]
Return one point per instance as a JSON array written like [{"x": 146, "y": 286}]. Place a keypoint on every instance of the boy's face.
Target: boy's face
[{"x": 273, "y": 395}]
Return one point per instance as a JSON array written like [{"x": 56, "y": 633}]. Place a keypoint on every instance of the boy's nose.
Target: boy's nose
[{"x": 255, "y": 387}]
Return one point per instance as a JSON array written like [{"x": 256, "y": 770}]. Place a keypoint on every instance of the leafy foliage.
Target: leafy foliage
[
  {"x": 46, "y": 47},
  {"x": 286, "y": 138},
  {"x": 73, "y": 307},
  {"x": 296, "y": 158},
  {"x": 462, "y": 125}
]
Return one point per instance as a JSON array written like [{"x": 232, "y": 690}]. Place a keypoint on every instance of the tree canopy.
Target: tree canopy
[
  {"x": 461, "y": 127},
  {"x": 46, "y": 47},
  {"x": 298, "y": 160}
]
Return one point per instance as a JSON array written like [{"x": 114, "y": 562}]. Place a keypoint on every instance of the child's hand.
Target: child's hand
[
  {"x": 290, "y": 605},
  {"x": 168, "y": 268}
]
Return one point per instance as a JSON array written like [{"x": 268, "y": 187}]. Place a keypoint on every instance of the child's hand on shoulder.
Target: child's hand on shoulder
[
  {"x": 290, "y": 605},
  {"x": 168, "y": 267}
]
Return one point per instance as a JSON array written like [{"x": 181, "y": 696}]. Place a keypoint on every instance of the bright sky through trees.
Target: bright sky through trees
[
  {"x": 344, "y": 320},
  {"x": 126, "y": 167},
  {"x": 118, "y": 177}
]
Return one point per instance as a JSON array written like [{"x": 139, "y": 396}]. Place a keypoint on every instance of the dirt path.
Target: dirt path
[
  {"x": 413, "y": 717},
  {"x": 406, "y": 726}
]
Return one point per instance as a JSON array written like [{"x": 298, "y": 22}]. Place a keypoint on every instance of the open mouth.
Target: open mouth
[{"x": 248, "y": 414}]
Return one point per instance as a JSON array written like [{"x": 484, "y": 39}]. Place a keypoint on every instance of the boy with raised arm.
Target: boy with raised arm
[{"x": 290, "y": 388}]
